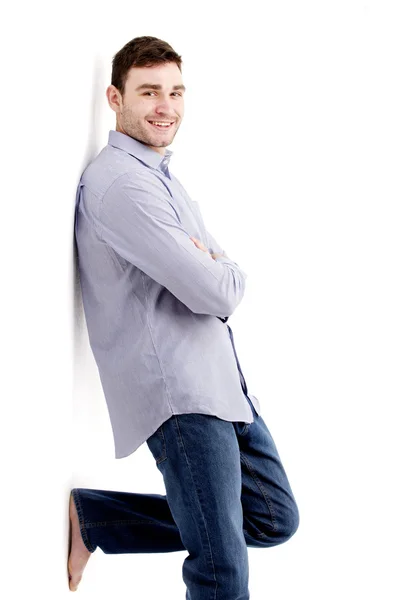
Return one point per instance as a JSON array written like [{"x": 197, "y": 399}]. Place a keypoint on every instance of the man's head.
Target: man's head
[{"x": 151, "y": 62}]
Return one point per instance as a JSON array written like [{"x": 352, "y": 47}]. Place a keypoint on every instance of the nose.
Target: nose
[{"x": 164, "y": 107}]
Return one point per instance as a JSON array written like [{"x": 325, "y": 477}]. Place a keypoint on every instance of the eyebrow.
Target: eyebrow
[{"x": 156, "y": 86}]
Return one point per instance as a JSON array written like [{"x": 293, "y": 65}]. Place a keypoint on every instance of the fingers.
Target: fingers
[{"x": 199, "y": 244}]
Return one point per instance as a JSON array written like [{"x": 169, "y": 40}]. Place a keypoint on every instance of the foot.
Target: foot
[{"x": 78, "y": 553}]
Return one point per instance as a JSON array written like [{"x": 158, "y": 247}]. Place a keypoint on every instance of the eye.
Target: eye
[{"x": 154, "y": 93}]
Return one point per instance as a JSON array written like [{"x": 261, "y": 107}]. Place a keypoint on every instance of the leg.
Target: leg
[
  {"x": 271, "y": 514},
  {"x": 199, "y": 458},
  {"x": 126, "y": 522}
]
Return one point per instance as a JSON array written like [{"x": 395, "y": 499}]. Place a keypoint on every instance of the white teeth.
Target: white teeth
[{"x": 160, "y": 123}]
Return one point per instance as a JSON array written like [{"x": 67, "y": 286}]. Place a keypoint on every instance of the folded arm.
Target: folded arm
[
  {"x": 216, "y": 248},
  {"x": 138, "y": 220}
]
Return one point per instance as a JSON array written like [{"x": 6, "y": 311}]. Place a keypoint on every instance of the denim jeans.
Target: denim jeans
[{"x": 226, "y": 490}]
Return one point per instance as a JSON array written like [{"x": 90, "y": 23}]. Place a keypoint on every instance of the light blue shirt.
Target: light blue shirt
[{"x": 155, "y": 305}]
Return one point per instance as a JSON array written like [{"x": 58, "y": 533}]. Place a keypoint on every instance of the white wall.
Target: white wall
[{"x": 298, "y": 100}]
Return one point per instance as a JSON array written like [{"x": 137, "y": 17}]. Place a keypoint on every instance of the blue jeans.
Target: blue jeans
[{"x": 226, "y": 489}]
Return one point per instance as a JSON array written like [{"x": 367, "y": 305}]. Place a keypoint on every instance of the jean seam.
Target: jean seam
[
  {"x": 199, "y": 501},
  {"x": 263, "y": 491},
  {"x": 163, "y": 455},
  {"x": 119, "y": 522},
  {"x": 82, "y": 526}
]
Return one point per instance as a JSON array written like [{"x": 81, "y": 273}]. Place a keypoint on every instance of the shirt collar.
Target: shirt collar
[{"x": 139, "y": 150}]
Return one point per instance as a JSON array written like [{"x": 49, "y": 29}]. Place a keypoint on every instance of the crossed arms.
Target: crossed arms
[{"x": 138, "y": 220}]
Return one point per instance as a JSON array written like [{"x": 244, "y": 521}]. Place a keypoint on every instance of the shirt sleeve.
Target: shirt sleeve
[
  {"x": 138, "y": 220},
  {"x": 215, "y": 248}
]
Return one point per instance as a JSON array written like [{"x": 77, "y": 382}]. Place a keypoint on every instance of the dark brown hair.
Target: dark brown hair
[{"x": 144, "y": 51}]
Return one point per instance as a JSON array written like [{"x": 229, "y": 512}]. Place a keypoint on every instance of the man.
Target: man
[{"x": 157, "y": 291}]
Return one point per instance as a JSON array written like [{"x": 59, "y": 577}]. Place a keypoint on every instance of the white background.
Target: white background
[{"x": 297, "y": 102}]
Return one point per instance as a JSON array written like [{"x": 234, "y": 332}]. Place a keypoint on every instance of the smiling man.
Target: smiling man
[
  {"x": 140, "y": 114},
  {"x": 157, "y": 291}
]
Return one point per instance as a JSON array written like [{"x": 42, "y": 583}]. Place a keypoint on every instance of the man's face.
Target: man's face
[{"x": 141, "y": 104}]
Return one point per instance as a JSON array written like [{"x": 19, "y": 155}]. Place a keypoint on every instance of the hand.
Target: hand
[{"x": 201, "y": 246}]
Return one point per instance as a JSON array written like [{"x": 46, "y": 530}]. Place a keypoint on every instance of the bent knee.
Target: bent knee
[{"x": 290, "y": 523}]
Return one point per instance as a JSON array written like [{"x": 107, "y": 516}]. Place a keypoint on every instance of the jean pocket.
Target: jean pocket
[
  {"x": 157, "y": 445},
  {"x": 241, "y": 427}
]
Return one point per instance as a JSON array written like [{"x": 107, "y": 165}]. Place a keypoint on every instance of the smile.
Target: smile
[{"x": 165, "y": 126}]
